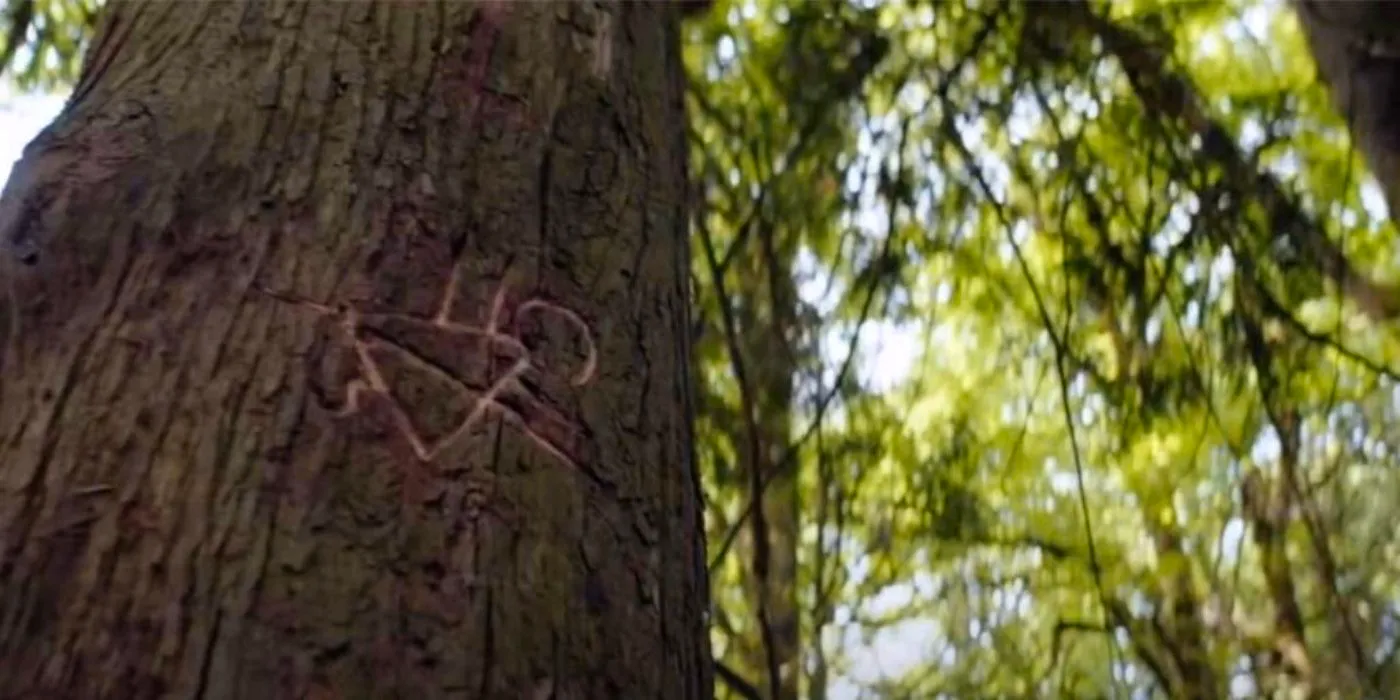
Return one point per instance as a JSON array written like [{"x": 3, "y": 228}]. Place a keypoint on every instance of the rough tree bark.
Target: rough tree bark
[
  {"x": 348, "y": 358},
  {"x": 1357, "y": 48}
]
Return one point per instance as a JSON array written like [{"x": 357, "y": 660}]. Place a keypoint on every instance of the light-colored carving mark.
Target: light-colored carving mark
[
  {"x": 370, "y": 381},
  {"x": 603, "y": 43}
]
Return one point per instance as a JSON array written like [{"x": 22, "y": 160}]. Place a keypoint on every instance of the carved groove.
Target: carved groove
[{"x": 370, "y": 381}]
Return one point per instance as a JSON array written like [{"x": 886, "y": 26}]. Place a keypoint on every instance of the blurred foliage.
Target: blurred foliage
[
  {"x": 1021, "y": 376},
  {"x": 1125, "y": 439},
  {"x": 44, "y": 41}
]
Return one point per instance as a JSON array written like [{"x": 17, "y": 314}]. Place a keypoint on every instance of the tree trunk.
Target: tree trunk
[
  {"x": 775, "y": 532},
  {"x": 348, "y": 358},
  {"x": 1357, "y": 48}
]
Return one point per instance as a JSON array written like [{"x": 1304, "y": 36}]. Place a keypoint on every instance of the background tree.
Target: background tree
[
  {"x": 1357, "y": 47},
  {"x": 348, "y": 358},
  {"x": 758, "y": 217}
]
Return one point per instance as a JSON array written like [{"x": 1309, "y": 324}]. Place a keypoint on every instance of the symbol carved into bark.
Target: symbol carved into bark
[{"x": 507, "y": 394}]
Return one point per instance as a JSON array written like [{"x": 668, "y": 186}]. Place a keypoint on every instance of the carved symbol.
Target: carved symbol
[
  {"x": 466, "y": 76},
  {"x": 536, "y": 419}
]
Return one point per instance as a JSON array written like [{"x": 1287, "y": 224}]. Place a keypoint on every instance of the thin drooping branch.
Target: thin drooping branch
[
  {"x": 21, "y": 18},
  {"x": 1297, "y": 503},
  {"x": 872, "y": 275},
  {"x": 872, "y": 51},
  {"x": 789, "y": 460},
  {"x": 736, "y": 682},
  {"x": 1267, "y": 507},
  {"x": 756, "y": 481},
  {"x": 1172, "y": 96},
  {"x": 1005, "y": 219}
]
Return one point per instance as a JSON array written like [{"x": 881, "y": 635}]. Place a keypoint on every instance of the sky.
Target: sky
[{"x": 21, "y": 117}]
